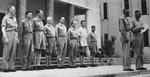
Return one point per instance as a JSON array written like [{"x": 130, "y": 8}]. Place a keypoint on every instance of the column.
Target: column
[
  {"x": 20, "y": 13},
  {"x": 50, "y": 8},
  {"x": 71, "y": 13}
]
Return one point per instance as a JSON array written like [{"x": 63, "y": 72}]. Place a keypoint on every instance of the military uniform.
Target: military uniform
[
  {"x": 138, "y": 44},
  {"x": 27, "y": 39},
  {"x": 9, "y": 50},
  {"x": 124, "y": 28},
  {"x": 39, "y": 38},
  {"x": 61, "y": 33},
  {"x": 73, "y": 43},
  {"x": 93, "y": 45},
  {"x": 50, "y": 34}
]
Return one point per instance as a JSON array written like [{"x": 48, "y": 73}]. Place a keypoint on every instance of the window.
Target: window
[
  {"x": 144, "y": 7},
  {"x": 105, "y": 11},
  {"x": 126, "y": 4}
]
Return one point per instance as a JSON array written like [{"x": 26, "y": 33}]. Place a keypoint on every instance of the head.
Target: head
[
  {"x": 126, "y": 12},
  {"x": 49, "y": 20},
  {"x": 93, "y": 28},
  {"x": 62, "y": 20},
  {"x": 28, "y": 14},
  {"x": 83, "y": 23},
  {"x": 138, "y": 14},
  {"x": 39, "y": 13},
  {"x": 73, "y": 24},
  {"x": 12, "y": 10}
]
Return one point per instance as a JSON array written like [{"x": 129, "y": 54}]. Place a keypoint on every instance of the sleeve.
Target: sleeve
[
  {"x": 4, "y": 21},
  {"x": 121, "y": 28},
  {"x": 134, "y": 28}
]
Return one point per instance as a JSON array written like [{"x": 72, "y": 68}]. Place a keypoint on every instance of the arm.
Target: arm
[
  {"x": 3, "y": 25},
  {"x": 134, "y": 28},
  {"x": 121, "y": 28}
]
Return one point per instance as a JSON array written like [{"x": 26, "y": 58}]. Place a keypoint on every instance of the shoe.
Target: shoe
[
  {"x": 93, "y": 65},
  {"x": 142, "y": 68},
  {"x": 12, "y": 70},
  {"x": 83, "y": 65},
  {"x": 6, "y": 70},
  {"x": 128, "y": 69}
]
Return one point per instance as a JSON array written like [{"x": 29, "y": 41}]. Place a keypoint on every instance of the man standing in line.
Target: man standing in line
[
  {"x": 10, "y": 39},
  {"x": 93, "y": 44},
  {"x": 61, "y": 36},
  {"x": 138, "y": 41},
  {"x": 73, "y": 43},
  {"x": 83, "y": 41},
  {"x": 39, "y": 37},
  {"x": 27, "y": 40},
  {"x": 125, "y": 29},
  {"x": 50, "y": 34}
]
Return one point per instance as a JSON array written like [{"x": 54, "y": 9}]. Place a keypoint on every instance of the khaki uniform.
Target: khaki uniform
[
  {"x": 50, "y": 34},
  {"x": 27, "y": 39},
  {"x": 138, "y": 43},
  {"x": 61, "y": 33},
  {"x": 39, "y": 38},
  {"x": 73, "y": 43},
  {"x": 124, "y": 28},
  {"x": 9, "y": 50},
  {"x": 93, "y": 43}
]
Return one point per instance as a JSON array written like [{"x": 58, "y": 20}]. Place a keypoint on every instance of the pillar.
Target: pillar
[
  {"x": 50, "y": 8},
  {"x": 71, "y": 13},
  {"x": 20, "y": 13}
]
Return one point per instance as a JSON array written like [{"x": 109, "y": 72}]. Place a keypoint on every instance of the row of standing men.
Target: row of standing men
[{"x": 36, "y": 38}]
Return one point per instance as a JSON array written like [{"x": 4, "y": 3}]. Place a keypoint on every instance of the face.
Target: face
[
  {"x": 62, "y": 20},
  {"x": 93, "y": 29},
  {"x": 138, "y": 14},
  {"x": 83, "y": 24},
  {"x": 50, "y": 21},
  {"x": 12, "y": 10},
  {"x": 29, "y": 15},
  {"x": 127, "y": 13},
  {"x": 74, "y": 25},
  {"x": 41, "y": 14}
]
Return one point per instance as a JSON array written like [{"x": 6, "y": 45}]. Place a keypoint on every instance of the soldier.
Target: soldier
[
  {"x": 73, "y": 43},
  {"x": 10, "y": 39},
  {"x": 50, "y": 34},
  {"x": 61, "y": 35},
  {"x": 27, "y": 40},
  {"x": 138, "y": 41},
  {"x": 39, "y": 37},
  {"x": 83, "y": 41},
  {"x": 125, "y": 28},
  {"x": 93, "y": 45}
]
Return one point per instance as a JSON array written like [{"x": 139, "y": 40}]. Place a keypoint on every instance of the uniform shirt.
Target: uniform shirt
[
  {"x": 61, "y": 30},
  {"x": 50, "y": 31},
  {"x": 93, "y": 37},
  {"x": 72, "y": 33},
  {"x": 124, "y": 28},
  {"x": 27, "y": 26},
  {"x": 83, "y": 35},
  {"x": 136, "y": 32},
  {"x": 38, "y": 24},
  {"x": 10, "y": 23}
]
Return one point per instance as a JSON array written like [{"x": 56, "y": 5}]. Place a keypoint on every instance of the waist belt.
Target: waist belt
[
  {"x": 50, "y": 37},
  {"x": 11, "y": 30}
]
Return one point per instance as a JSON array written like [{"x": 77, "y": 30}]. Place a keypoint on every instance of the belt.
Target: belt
[
  {"x": 61, "y": 36},
  {"x": 11, "y": 30},
  {"x": 50, "y": 37},
  {"x": 93, "y": 41}
]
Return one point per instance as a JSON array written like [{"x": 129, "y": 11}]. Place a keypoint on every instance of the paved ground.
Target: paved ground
[{"x": 70, "y": 72}]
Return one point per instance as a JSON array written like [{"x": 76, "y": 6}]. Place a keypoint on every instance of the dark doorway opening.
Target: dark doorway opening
[
  {"x": 146, "y": 39},
  {"x": 1, "y": 44}
]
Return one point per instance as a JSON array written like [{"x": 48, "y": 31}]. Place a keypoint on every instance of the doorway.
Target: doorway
[{"x": 1, "y": 44}]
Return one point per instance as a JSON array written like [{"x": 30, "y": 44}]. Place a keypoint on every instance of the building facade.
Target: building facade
[
  {"x": 70, "y": 9},
  {"x": 112, "y": 10}
]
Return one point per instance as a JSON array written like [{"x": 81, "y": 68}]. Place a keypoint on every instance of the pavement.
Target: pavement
[{"x": 100, "y": 71}]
